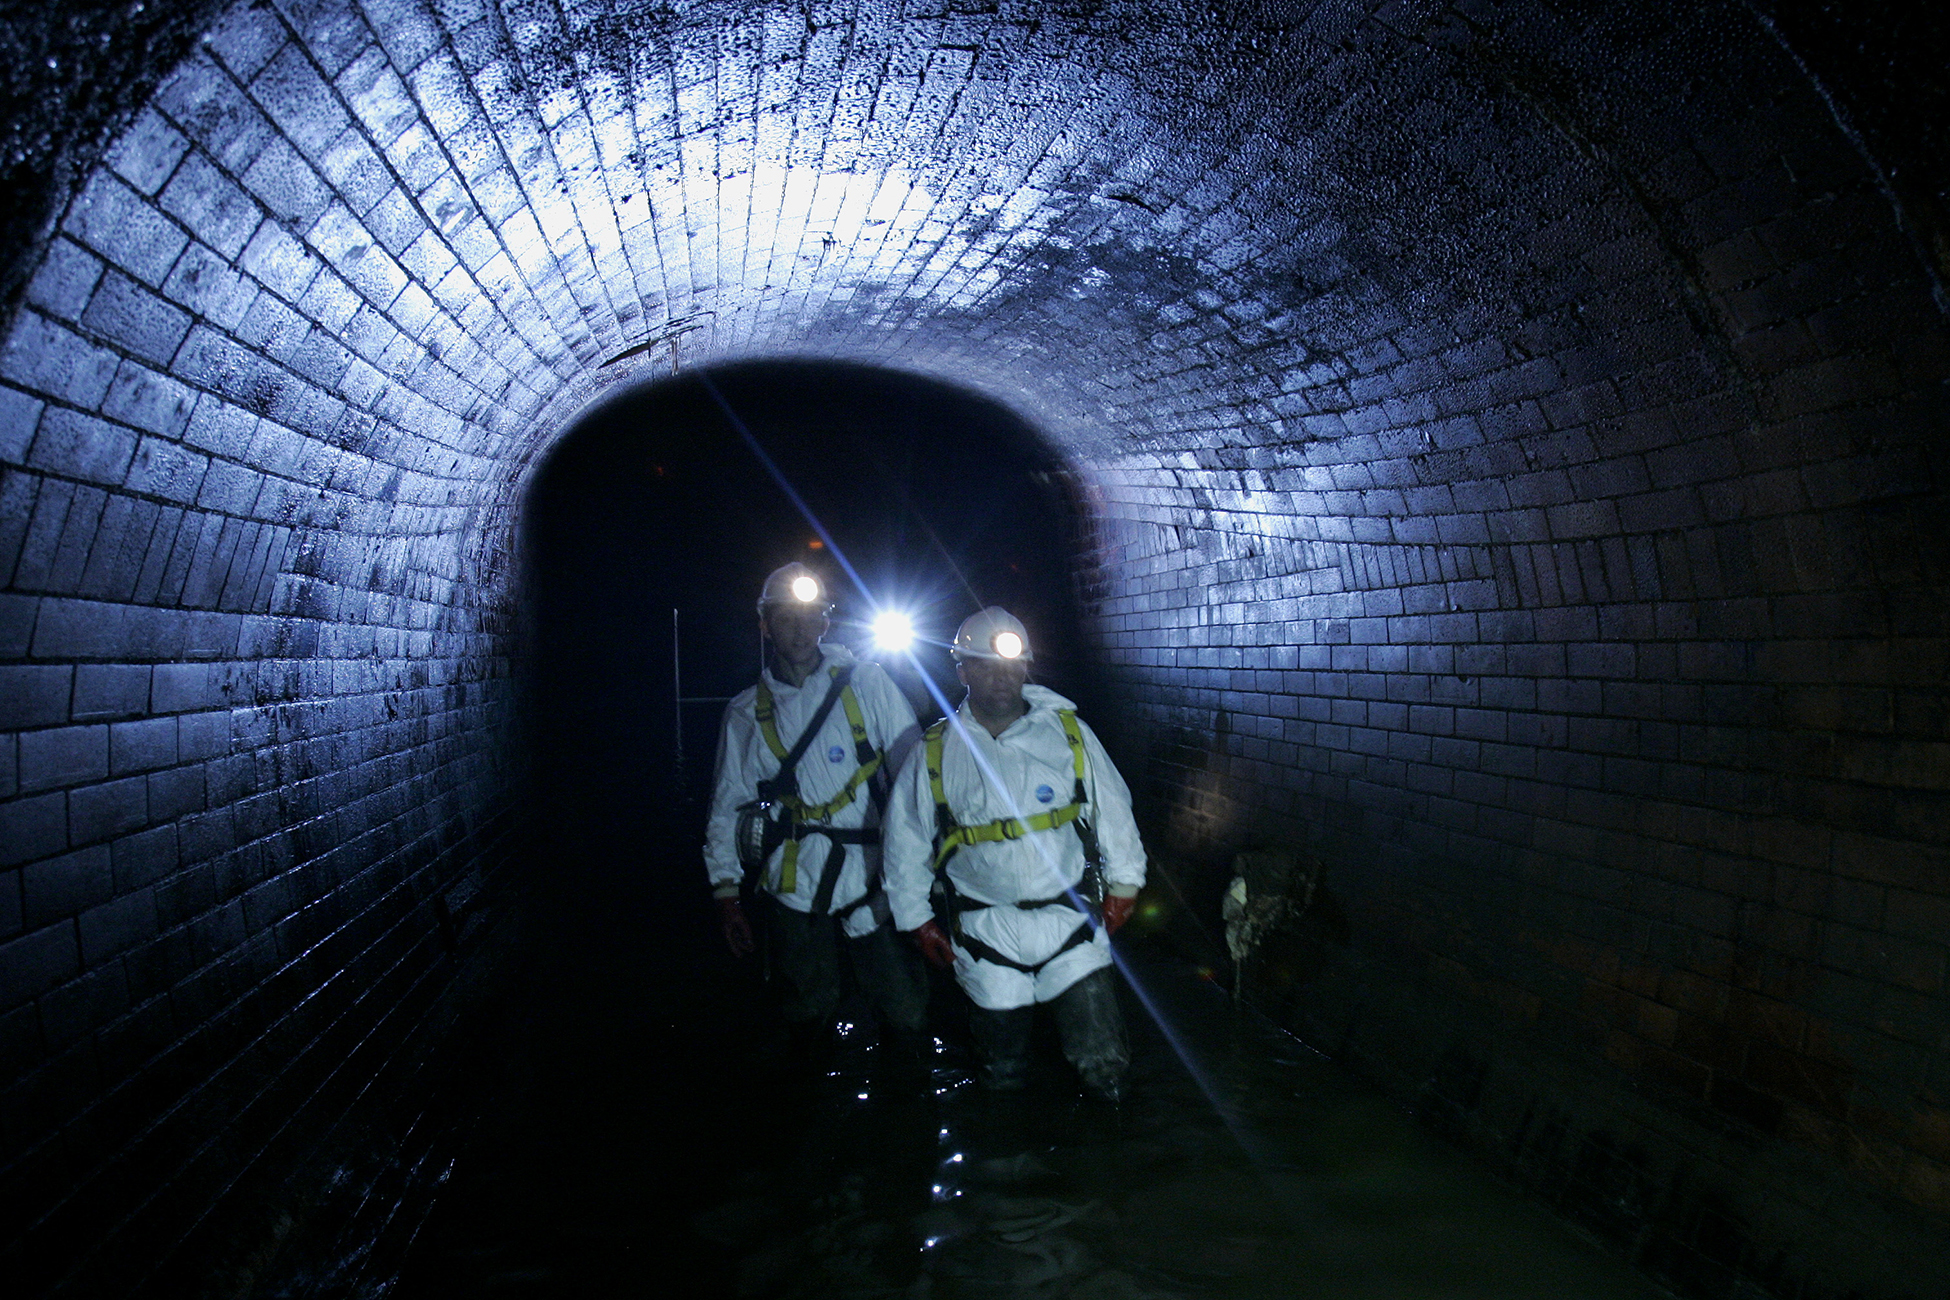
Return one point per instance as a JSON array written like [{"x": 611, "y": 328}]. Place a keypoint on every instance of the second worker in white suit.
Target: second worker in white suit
[{"x": 1012, "y": 803}]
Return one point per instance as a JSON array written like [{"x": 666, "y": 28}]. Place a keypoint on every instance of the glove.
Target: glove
[
  {"x": 1117, "y": 911},
  {"x": 737, "y": 930},
  {"x": 934, "y": 945}
]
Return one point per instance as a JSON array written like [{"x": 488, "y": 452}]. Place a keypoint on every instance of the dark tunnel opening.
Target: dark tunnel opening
[
  {"x": 935, "y": 502},
  {"x": 938, "y": 501}
]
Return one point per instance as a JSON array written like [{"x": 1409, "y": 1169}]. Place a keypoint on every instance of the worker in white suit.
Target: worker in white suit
[
  {"x": 802, "y": 764},
  {"x": 1011, "y": 813}
]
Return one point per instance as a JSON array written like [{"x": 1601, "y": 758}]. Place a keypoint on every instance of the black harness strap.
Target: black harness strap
[
  {"x": 783, "y": 787},
  {"x": 784, "y": 783},
  {"x": 1081, "y": 899},
  {"x": 983, "y": 952},
  {"x": 829, "y": 871},
  {"x": 864, "y": 900},
  {"x": 1084, "y": 898},
  {"x": 949, "y": 835}
]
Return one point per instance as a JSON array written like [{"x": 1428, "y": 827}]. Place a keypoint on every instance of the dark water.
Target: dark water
[
  {"x": 1244, "y": 1166},
  {"x": 641, "y": 1142}
]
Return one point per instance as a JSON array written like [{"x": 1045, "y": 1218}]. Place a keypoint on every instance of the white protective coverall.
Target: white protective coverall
[
  {"x": 1032, "y": 760},
  {"x": 828, "y": 763}
]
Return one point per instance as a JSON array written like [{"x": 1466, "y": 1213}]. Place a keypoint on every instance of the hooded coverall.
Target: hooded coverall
[
  {"x": 808, "y": 944},
  {"x": 1029, "y": 769}
]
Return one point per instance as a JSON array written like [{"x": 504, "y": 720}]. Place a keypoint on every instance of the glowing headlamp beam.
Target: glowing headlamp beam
[
  {"x": 778, "y": 476},
  {"x": 893, "y": 631}
]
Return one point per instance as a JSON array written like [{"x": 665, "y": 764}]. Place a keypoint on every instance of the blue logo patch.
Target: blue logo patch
[
  {"x": 836, "y": 753},
  {"x": 1044, "y": 794}
]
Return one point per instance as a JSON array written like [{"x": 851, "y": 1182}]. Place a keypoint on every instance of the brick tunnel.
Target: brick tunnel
[{"x": 1503, "y": 453}]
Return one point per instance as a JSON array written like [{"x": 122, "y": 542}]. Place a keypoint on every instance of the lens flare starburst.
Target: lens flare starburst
[{"x": 893, "y": 632}]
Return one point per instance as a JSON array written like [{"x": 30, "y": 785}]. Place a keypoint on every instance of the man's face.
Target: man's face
[
  {"x": 994, "y": 685},
  {"x": 794, "y": 628}
]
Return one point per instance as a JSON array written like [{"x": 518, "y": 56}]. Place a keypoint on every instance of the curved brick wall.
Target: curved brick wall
[{"x": 1515, "y": 468}]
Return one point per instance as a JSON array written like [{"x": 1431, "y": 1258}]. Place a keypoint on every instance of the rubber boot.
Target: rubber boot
[
  {"x": 1002, "y": 1047},
  {"x": 1103, "y": 1083},
  {"x": 1092, "y": 1030}
]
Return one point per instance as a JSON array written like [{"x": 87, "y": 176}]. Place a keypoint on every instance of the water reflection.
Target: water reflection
[{"x": 1274, "y": 1175}]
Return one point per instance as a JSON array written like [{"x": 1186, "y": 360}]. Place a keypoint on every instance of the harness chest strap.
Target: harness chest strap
[
  {"x": 798, "y": 811},
  {"x": 952, "y": 836}
]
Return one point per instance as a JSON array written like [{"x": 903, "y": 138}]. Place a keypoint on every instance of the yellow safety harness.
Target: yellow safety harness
[
  {"x": 802, "y": 818},
  {"x": 954, "y": 835},
  {"x": 951, "y": 836}
]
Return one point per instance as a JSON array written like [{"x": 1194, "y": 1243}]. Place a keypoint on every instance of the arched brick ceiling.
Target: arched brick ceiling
[{"x": 418, "y": 234}]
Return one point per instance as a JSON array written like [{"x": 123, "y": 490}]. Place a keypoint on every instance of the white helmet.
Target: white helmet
[
  {"x": 993, "y": 633},
  {"x": 793, "y": 584}
]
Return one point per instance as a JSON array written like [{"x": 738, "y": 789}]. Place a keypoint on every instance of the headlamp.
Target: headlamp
[
  {"x": 993, "y": 633},
  {"x": 893, "y": 631},
  {"x": 792, "y": 584}
]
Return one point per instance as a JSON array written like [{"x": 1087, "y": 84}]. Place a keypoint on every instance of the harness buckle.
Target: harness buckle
[{"x": 1013, "y": 828}]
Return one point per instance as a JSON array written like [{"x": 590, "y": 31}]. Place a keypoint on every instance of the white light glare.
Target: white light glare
[
  {"x": 893, "y": 631},
  {"x": 805, "y": 588},
  {"x": 1008, "y": 645}
]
